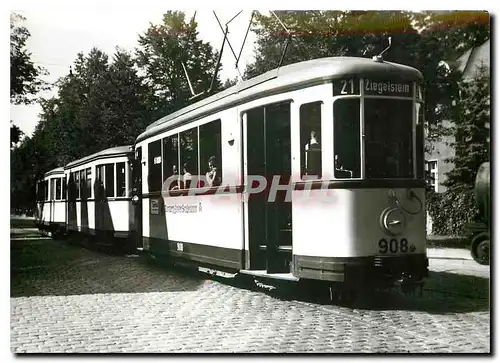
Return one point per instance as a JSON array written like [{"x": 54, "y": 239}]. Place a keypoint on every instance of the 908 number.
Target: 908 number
[{"x": 393, "y": 246}]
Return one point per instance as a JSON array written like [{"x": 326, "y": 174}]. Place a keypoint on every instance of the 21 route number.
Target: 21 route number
[{"x": 394, "y": 246}]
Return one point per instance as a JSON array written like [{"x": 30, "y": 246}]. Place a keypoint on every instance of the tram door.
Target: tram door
[
  {"x": 137, "y": 196},
  {"x": 268, "y": 151}
]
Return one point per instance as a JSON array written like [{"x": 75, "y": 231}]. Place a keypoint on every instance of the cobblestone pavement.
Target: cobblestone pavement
[{"x": 65, "y": 298}]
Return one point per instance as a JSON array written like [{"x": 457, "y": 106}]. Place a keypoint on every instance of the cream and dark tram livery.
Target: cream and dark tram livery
[{"x": 313, "y": 171}]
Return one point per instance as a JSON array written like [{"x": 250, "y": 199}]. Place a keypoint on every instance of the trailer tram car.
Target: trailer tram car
[
  {"x": 99, "y": 202},
  {"x": 345, "y": 137},
  {"x": 51, "y": 203}
]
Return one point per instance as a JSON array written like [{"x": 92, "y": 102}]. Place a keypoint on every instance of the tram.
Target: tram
[
  {"x": 312, "y": 171},
  {"x": 50, "y": 214},
  {"x": 98, "y": 199}
]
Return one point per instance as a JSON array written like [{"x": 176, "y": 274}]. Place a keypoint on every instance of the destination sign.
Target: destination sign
[
  {"x": 344, "y": 87},
  {"x": 388, "y": 88}
]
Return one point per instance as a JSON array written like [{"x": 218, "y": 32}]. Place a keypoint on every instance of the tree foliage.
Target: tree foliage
[
  {"x": 105, "y": 102},
  {"x": 24, "y": 74},
  {"x": 161, "y": 52},
  {"x": 452, "y": 210},
  {"x": 471, "y": 130}
]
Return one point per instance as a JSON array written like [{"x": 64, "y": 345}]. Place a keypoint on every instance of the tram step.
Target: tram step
[{"x": 264, "y": 273}]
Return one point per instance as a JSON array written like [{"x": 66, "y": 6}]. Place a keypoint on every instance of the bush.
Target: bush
[{"x": 452, "y": 210}]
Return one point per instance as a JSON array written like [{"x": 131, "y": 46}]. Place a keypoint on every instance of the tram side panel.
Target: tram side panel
[{"x": 206, "y": 229}]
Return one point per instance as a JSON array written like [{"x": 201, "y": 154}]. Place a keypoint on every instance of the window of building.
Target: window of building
[
  {"x": 346, "y": 138},
  {"x": 210, "y": 153},
  {"x": 120, "y": 180},
  {"x": 109, "y": 174},
  {"x": 189, "y": 156},
  {"x": 310, "y": 139},
  {"x": 154, "y": 166},
  {"x": 431, "y": 169}
]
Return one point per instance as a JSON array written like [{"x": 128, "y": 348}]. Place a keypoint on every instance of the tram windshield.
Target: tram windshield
[{"x": 388, "y": 138}]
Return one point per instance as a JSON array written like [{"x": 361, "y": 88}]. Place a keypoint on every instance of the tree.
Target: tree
[
  {"x": 24, "y": 75},
  {"x": 15, "y": 135},
  {"x": 471, "y": 130},
  {"x": 162, "y": 50},
  {"x": 317, "y": 34}
]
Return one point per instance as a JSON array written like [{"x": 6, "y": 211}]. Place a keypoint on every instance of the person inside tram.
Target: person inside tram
[
  {"x": 212, "y": 176},
  {"x": 174, "y": 180},
  {"x": 340, "y": 172},
  {"x": 313, "y": 155},
  {"x": 187, "y": 177}
]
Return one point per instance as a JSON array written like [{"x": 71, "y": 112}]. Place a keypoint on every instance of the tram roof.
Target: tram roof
[
  {"x": 58, "y": 170},
  {"x": 279, "y": 80},
  {"x": 113, "y": 151}
]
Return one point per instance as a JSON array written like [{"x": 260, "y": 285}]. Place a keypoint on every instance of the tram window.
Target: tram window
[
  {"x": 120, "y": 179},
  {"x": 83, "y": 192},
  {"x": 420, "y": 141},
  {"x": 46, "y": 188},
  {"x": 346, "y": 139},
  {"x": 388, "y": 138},
  {"x": 88, "y": 185},
  {"x": 52, "y": 188},
  {"x": 99, "y": 182},
  {"x": 171, "y": 160},
  {"x": 58, "y": 189},
  {"x": 189, "y": 156},
  {"x": 310, "y": 139},
  {"x": 77, "y": 184},
  {"x": 109, "y": 175},
  {"x": 154, "y": 166},
  {"x": 210, "y": 153},
  {"x": 63, "y": 187}
]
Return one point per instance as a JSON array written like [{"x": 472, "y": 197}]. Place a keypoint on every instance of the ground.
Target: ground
[{"x": 66, "y": 298}]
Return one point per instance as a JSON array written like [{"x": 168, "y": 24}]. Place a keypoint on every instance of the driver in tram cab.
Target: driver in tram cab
[
  {"x": 212, "y": 176},
  {"x": 313, "y": 155}
]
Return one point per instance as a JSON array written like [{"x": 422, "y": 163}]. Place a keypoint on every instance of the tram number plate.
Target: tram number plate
[{"x": 394, "y": 245}]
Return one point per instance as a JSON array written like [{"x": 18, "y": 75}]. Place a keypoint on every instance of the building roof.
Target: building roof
[
  {"x": 469, "y": 62},
  {"x": 293, "y": 76},
  {"x": 113, "y": 151}
]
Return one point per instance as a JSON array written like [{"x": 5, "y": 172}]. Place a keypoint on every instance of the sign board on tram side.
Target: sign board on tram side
[{"x": 373, "y": 87}]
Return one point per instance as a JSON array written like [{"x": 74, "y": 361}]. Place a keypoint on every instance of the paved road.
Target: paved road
[{"x": 69, "y": 299}]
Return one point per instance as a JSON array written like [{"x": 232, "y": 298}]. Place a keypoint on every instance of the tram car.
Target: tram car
[
  {"x": 51, "y": 203},
  {"x": 99, "y": 201},
  {"x": 310, "y": 172}
]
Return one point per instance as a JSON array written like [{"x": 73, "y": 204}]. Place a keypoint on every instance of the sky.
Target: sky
[{"x": 58, "y": 35}]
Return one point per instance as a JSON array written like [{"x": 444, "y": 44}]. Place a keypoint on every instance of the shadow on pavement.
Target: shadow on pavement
[
  {"x": 443, "y": 293},
  {"x": 42, "y": 267}
]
